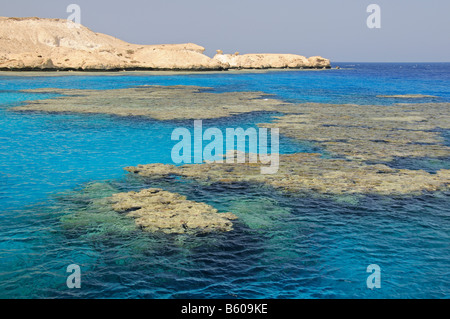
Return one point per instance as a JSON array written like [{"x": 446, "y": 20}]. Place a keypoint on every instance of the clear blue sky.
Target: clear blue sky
[{"x": 411, "y": 30}]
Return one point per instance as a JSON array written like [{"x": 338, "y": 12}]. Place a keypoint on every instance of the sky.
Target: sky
[{"x": 411, "y": 30}]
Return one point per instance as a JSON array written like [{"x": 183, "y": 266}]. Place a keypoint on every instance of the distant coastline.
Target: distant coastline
[{"x": 40, "y": 44}]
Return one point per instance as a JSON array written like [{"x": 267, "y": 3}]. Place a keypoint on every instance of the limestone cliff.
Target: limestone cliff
[
  {"x": 267, "y": 61},
  {"x": 56, "y": 44}
]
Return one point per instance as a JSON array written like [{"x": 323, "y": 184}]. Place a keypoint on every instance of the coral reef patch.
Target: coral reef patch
[{"x": 156, "y": 210}]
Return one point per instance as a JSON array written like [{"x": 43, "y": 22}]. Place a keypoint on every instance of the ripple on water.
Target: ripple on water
[{"x": 283, "y": 246}]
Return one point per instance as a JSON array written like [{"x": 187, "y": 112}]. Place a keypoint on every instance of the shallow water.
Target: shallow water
[{"x": 56, "y": 168}]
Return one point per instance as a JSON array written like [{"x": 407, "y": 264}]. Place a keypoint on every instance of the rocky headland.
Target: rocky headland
[
  {"x": 57, "y": 44},
  {"x": 271, "y": 61}
]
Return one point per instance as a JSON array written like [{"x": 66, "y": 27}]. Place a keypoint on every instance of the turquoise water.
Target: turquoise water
[{"x": 54, "y": 166}]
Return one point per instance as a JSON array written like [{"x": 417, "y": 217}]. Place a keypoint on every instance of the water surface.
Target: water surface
[{"x": 53, "y": 166}]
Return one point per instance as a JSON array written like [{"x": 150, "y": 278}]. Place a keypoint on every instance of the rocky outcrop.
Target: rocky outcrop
[
  {"x": 268, "y": 61},
  {"x": 57, "y": 44},
  {"x": 318, "y": 62},
  {"x": 156, "y": 210}
]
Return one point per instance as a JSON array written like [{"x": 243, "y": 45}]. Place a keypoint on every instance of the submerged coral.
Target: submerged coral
[
  {"x": 408, "y": 96},
  {"x": 87, "y": 212},
  {"x": 156, "y": 210},
  {"x": 157, "y": 102},
  {"x": 352, "y": 135},
  {"x": 357, "y": 132},
  {"x": 370, "y": 132},
  {"x": 303, "y": 172}
]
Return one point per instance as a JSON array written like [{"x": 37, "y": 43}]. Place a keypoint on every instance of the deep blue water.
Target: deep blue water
[{"x": 52, "y": 165}]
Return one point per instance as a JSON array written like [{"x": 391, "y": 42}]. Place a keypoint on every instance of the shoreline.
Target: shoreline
[{"x": 17, "y": 72}]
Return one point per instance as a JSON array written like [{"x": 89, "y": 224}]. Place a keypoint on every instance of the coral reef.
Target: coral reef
[
  {"x": 355, "y": 137},
  {"x": 156, "y": 210},
  {"x": 304, "y": 172},
  {"x": 371, "y": 132},
  {"x": 157, "y": 102},
  {"x": 408, "y": 96}
]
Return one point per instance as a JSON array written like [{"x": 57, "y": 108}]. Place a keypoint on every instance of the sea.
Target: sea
[{"x": 55, "y": 169}]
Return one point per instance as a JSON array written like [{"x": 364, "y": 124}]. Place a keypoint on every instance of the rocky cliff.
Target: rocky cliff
[
  {"x": 267, "y": 61},
  {"x": 56, "y": 44}
]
